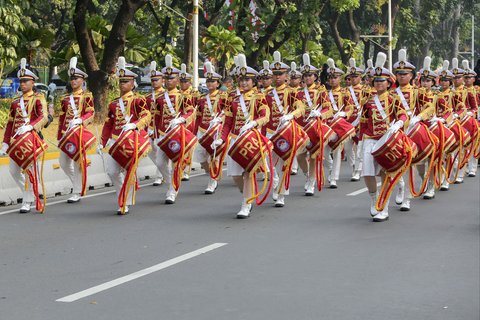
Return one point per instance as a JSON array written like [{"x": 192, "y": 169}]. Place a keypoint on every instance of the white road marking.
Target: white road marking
[
  {"x": 138, "y": 274},
  {"x": 355, "y": 193},
  {"x": 90, "y": 195}
]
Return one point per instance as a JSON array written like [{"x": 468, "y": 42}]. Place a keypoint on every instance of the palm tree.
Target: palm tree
[{"x": 221, "y": 45}]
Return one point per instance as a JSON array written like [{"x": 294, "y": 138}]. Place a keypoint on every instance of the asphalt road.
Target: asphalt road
[{"x": 318, "y": 257}]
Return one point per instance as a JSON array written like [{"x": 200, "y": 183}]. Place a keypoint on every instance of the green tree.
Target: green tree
[{"x": 11, "y": 24}]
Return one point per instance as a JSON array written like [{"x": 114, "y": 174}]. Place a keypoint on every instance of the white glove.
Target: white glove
[
  {"x": 129, "y": 126},
  {"x": 175, "y": 122},
  {"x": 470, "y": 113},
  {"x": 150, "y": 131},
  {"x": 396, "y": 126},
  {"x": 286, "y": 118},
  {"x": 76, "y": 122},
  {"x": 315, "y": 114},
  {"x": 247, "y": 126},
  {"x": 341, "y": 114},
  {"x": 414, "y": 120},
  {"x": 455, "y": 116},
  {"x": 23, "y": 129},
  {"x": 4, "y": 149},
  {"x": 216, "y": 120},
  {"x": 216, "y": 143},
  {"x": 100, "y": 149}
]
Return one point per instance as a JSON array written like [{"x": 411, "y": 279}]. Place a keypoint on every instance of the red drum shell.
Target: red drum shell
[
  {"x": 21, "y": 150},
  {"x": 246, "y": 150},
  {"x": 171, "y": 145},
  {"x": 209, "y": 137},
  {"x": 283, "y": 140},
  {"x": 70, "y": 142},
  {"x": 390, "y": 151},
  {"x": 311, "y": 129},
  {"x": 123, "y": 149},
  {"x": 466, "y": 136},
  {"x": 471, "y": 125},
  {"x": 344, "y": 131},
  {"x": 425, "y": 147},
  {"x": 449, "y": 143}
]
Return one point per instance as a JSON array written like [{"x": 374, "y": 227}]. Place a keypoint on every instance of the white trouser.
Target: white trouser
[
  {"x": 164, "y": 164},
  {"x": 278, "y": 171},
  {"x": 350, "y": 148},
  {"x": 20, "y": 179},
  {"x": 370, "y": 167},
  {"x": 472, "y": 164},
  {"x": 359, "y": 157},
  {"x": 335, "y": 163},
  {"x": 117, "y": 175},
  {"x": 72, "y": 170},
  {"x": 153, "y": 156}
]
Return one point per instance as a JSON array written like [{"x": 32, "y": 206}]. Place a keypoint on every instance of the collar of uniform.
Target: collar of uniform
[
  {"x": 460, "y": 87},
  {"x": 188, "y": 91},
  {"x": 311, "y": 87},
  {"x": 406, "y": 87},
  {"x": 337, "y": 89},
  {"x": 214, "y": 93},
  {"x": 281, "y": 87},
  {"x": 78, "y": 92},
  {"x": 159, "y": 90},
  {"x": 28, "y": 94},
  {"x": 127, "y": 95},
  {"x": 173, "y": 91},
  {"x": 249, "y": 93},
  {"x": 358, "y": 86},
  {"x": 384, "y": 95}
]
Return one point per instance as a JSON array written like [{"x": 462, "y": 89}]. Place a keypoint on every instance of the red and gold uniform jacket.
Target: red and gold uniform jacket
[
  {"x": 289, "y": 105},
  {"x": 471, "y": 102},
  {"x": 135, "y": 107},
  {"x": 204, "y": 114},
  {"x": 342, "y": 101},
  {"x": 425, "y": 104},
  {"x": 257, "y": 109},
  {"x": 83, "y": 103},
  {"x": 150, "y": 100},
  {"x": 35, "y": 114},
  {"x": 459, "y": 100},
  {"x": 410, "y": 94},
  {"x": 443, "y": 104},
  {"x": 318, "y": 98},
  {"x": 180, "y": 105},
  {"x": 372, "y": 124},
  {"x": 192, "y": 97},
  {"x": 358, "y": 92}
]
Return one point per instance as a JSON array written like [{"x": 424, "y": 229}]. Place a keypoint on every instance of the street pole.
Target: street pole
[
  {"x": 195, "y": 44},
  {"x": 473, "y": 41},
  {"x": 390, "y": 35}
]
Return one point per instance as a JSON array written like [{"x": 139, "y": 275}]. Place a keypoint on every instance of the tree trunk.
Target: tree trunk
[
  {"x": 114, "y": 45},
  {"x": 188, "y": 43},
  {"x": 337, "y": 38}
]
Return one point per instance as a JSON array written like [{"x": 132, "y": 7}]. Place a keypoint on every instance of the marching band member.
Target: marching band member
[
  {"x": 283, "y": 108},
  {"x": 244, "y": 112},
  {"x": 172, "y": 109},
  {"x": 192, "y": 96},
  {"x": 459, "y": 105},
  {"x": 265, "y": 77},
  {"x": 406, "y": 95},
  {"x": 472, "y": 106},
  {"x": 156, "y": 79},
  {"x": 295, "y": 84},
  {"x": 210, "y": 112},
  {"x": 316, "y": 106},
  {"x": 443, "y": 105},
  {"x": 379, "y": 115},
  {"x": 27, "y": 113},
  {"x": 353, "y": 78},
  {"x": 77, "y": 110},
  {"x": 343, "y": 107},
  {"x": 127, "y": 112},
  {"x": 424, "y": 111}
]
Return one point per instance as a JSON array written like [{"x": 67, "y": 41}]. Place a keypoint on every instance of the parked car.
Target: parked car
[{"x": 42, "y": 88}]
